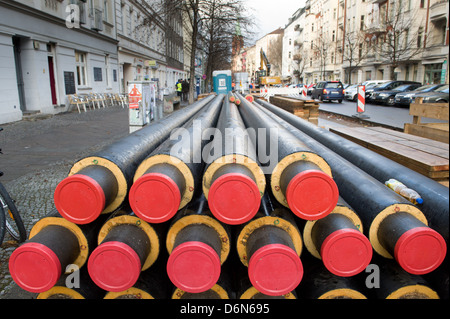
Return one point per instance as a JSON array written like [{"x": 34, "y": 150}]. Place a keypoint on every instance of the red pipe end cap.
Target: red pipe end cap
[
  {"x": 250, "y": 98},
  {"x": 114, "y": 266},
  {"x": 34, "y": 267},
  {"x": 234, "y": 198},
  {"x": 155, "y": 198},
  {"x": 312, "y": 195},
  {"x": 79, "y": 199},
  {"x": 194, "y": 267},
  {"x": 346, "y": 252},
  {"x": 420, "y": 250},
  {"x": 275, "y": 270},
  {"x": 232, "y": 99}
]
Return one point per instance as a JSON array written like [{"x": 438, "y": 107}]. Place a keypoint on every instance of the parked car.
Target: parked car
[
  {"x": 373, "y": 82},
  {"x": 409, "y": 97},
  {"x": 387, "y": 86},
  {"x": 329, "y": 91},
  {"x": 310, "y": 88},
  {"x": 438, "y": 96},
  {"x": 388, "y": 97},
  {"x": 351, "y": 92}
]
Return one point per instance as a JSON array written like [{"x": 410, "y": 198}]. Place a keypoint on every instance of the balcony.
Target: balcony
[
  {"x": 436, "y": 51},
  {"x": 439, "y": 10}
]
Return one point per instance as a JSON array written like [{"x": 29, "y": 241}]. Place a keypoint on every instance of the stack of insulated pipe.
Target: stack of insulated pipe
[
  {"x": 54, "y": 244},
  {"x": 301, "y": 179},
  {"x": 99, "y": 184},
  {"x": 395, "y": 227},
  {"x": 127, "y": 246},
  {"x": 270, "y": 246},
  {"x": 338, "y": 240},
  {"x": 435, "y": 196},
  {"x": 233, "y": 182},
  {"x": 166, "y": 180},
  {"x": 198, "y": 245}
]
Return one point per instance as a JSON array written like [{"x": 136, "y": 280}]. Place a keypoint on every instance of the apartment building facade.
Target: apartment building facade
[
  {"x": 50, "y": 49},
  {"x": 357, "y": 40}
]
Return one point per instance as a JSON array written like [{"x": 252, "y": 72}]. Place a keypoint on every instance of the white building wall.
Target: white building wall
[{"x": 9, "y": 96}]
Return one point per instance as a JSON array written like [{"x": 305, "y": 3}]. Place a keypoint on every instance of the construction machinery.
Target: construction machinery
[{"x": 263, "y": 77}]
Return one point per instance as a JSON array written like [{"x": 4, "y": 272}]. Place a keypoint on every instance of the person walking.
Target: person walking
[
  {"x": 185, "y": 89},
  {"x": 179, "y": 89}
]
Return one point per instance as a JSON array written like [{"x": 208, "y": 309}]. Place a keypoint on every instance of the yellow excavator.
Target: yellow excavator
[{"x": 263, "y": 74}]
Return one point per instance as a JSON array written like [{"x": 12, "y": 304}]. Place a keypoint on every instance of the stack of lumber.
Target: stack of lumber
[
  {"x": 306, "y": 109},
  {"x": 423, "y": 155}
]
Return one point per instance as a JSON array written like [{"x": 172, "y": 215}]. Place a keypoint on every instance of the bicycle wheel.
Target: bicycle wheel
[
  {"x": 13, "y": 221},
  {"x": 2, "y": 225}
]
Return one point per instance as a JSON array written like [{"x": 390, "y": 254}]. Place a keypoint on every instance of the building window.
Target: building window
[
  {"x": 80, "y": 62},
  {"x": 419, "y": 37}
]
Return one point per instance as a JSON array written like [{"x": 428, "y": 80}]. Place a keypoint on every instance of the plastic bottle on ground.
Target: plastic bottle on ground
[{"x": 404, "y": 191}]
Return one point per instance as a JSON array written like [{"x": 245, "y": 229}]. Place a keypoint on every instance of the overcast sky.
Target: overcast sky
[{"x": 272, "y": 14}]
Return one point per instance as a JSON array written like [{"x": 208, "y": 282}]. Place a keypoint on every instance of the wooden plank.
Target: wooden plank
[
  {"x": 430, "y": 149},
  {"x": 414, "y": 138},
  {"x": 427, "y": 132},
  {"x": 406, "y": 154},
  {"x": 362, "y": 139},
  {"x": 431, "y": 110}
]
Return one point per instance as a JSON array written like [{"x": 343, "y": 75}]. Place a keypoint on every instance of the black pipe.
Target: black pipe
[
  {"x": 344, "y": 250},
  {"x": 400, "y": 231},
  {"x": 82, "y": 199},
  {"x": 158, "y": 193},
  {"x": 152, "y": 283},
  {"x": 373, "y": 202},
  {"x": 54, "y": 243},
  {"x": 223, "y": 289},
  {"x": 319, "y": 283},
  {"x": 127, "y": 246},
  {"x": 435, "y": 195},
  {"x": 310, "y": 194},
  {"x": 198, "y": 245},
  {"x": 233, "y": 182},
  {"x": 270, "y": 246},
  {"x": 245, "y": 289}
]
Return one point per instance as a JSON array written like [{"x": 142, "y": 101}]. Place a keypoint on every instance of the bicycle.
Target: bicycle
[{"x": 10, "y": 219}]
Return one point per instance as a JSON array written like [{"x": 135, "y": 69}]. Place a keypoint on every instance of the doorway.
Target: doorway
[
  {"x": 52, "y": 80},
  {"x": 19, "y": 77}
]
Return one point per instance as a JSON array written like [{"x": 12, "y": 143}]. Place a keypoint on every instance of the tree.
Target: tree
[
  {"x": 355, "y": 51},
  {"x": 209, "y": 23},
  {"x": 398, "y": 44},
  {"x": 275, "y": 54},
  {"x": 320, "y": 50}
]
